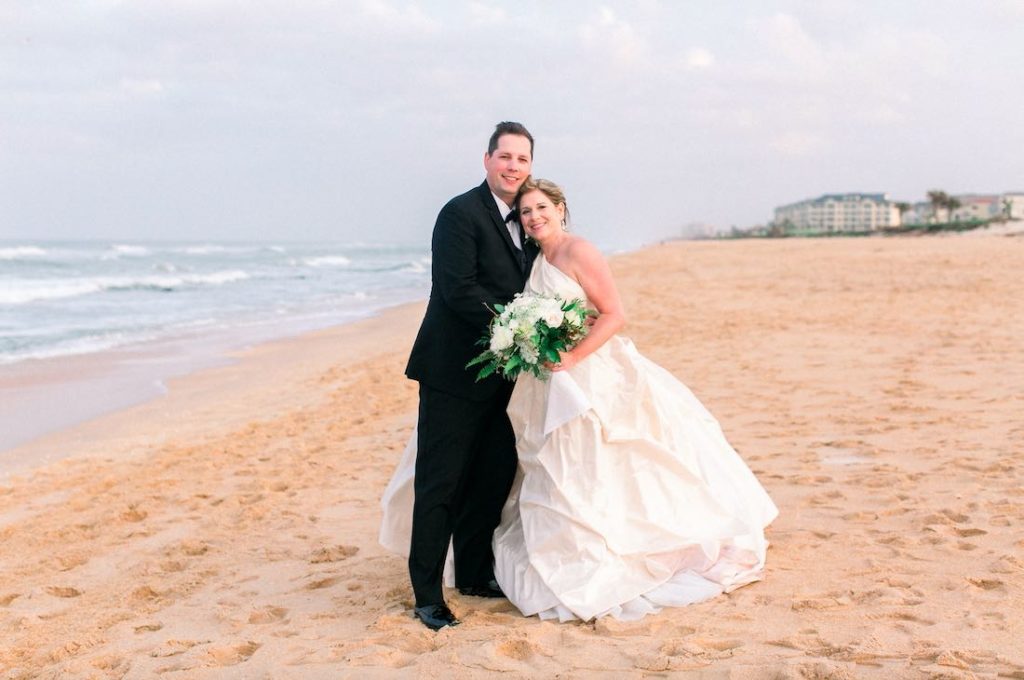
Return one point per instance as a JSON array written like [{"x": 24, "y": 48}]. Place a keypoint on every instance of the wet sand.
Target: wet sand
[{"x": 876, "y": 386}]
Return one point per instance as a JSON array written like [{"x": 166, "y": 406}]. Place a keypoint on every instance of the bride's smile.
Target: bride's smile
[{"x": 540, "y": 217}]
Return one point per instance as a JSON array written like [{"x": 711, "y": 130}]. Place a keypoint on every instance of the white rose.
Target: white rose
[
  {"x": 574, "y": 317},
  {"x": 501, "y": 338},
  {"x": 552, "y": 313}
]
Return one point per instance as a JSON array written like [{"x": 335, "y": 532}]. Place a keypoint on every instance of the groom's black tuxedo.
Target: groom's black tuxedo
[
  {"x": 474, "y": 267},
  {"x": 466, "y": 458}
]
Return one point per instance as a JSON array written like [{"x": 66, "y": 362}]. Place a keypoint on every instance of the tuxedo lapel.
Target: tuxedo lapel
[{"x": 491, "y": 208}]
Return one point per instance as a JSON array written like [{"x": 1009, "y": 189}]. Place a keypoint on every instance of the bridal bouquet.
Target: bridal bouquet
[{"x": 528, "y": 331}]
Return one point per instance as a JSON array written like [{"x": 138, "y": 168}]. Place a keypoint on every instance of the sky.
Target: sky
[{"x": 356, "y": 120}]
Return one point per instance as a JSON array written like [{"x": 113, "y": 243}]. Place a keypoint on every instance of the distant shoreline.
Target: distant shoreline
[{"x": 992, "y": 227}]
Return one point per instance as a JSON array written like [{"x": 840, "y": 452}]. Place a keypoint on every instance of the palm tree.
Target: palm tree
[
  {"x": 1007, "y": 208},
  {"x": 938, "y": 199},
  {"x": 952, "y": 203},
  {"x": 903, "y": 208}
]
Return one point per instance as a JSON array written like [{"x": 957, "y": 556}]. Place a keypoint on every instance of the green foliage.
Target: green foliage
[{"x": 519, "y": 339}]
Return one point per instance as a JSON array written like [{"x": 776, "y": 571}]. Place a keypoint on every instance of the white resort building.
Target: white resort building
[
  {"x": 1012, "y": 205},
  {"x": 839, "y": 212},
  {"x": 973, "y": 208},
  {"x": 976, "y": 207}
]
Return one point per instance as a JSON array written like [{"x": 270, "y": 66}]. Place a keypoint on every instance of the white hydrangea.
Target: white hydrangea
[
  {"x": 527, "y": 351},
  {"x": 521, "y": 325},
  {"x": 501, "y": 338}
]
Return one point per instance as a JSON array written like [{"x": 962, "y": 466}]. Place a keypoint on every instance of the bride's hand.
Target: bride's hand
[{"x": 566, "y": 360}]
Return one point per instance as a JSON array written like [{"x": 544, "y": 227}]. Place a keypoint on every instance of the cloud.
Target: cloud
[
  {"x": 614, "y": 39},
  {"x": 699, "y": 58},
  {"x": 142, "y": 87},
  {"x": 798, "y": 143},
  {"x": 882, "y": 114},
  {"x": 300, "y": 111},
  {"x": 393, "y": 19},
  {"x": 784, "y": 36},
  {"x": 484, "y": 14}
]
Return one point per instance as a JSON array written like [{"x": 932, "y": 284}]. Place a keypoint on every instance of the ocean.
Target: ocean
[
  {"x": 87, "y": 328},
  {"x": 69, "y": 298}
]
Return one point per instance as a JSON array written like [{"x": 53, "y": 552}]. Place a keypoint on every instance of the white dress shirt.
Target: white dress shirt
[{"x": 513, "y": 227}]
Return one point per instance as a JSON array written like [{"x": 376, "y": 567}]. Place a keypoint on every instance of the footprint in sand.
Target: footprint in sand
[
  {"x": 145, "y": 593},
  {"x": 969, "y": 532},
  {"x": 61, "y": 591},
  {"x": 723, "y": 645},
  {"x": 811, "y": 643},
  {"x": 517, "y": 648},
  {"x": 134, "y": 514},
  {"x": 322, "y": 583},
  {"x": 902, "y": 615},
  {"x": 232, "y": 654},
  {"x": 333, "y": 554},
  {"x": 267, "y": 615},
  {"x": 828, "y": 601},
  {"x": 1006, "y": 564},
  {"x": 110, "y": 662},
  {"x": 194, "y": 548},
  {"x": 988, "y": 621},
  {"x": 70, "y": 561},
  {"x": 6, "y": 600},
  {"x": 174, "y": 647},
  {"x": 688, "y": 653},
  {"x": 985, "y": 583},
  {"x": 955, "y": 516}
]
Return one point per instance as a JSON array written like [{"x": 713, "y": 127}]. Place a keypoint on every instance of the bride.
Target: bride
[{"x": 628, "y": 498}]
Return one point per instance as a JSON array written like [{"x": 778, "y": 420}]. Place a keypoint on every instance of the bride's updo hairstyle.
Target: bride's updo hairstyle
[{"x": 549, "y": 189}]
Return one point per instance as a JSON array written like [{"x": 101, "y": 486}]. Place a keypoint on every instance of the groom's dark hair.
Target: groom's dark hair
[{"x": 508, "y": 128}]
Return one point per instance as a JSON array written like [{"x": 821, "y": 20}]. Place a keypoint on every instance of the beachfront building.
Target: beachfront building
[
  {"x": 924, "y": 212},
  {"x": 1011, "y": 205},
  {"x": 976, "y": 207},
  {"x": 839, "y": 212}
]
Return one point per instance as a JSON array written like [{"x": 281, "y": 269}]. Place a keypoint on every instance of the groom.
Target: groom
[{"x": 466, "y": 458}]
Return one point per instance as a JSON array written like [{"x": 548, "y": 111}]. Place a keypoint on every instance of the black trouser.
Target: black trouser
[{"x": 465, "y": 465}]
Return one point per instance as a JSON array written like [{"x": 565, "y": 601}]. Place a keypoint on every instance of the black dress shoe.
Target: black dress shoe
[
  {"x": 436, "y": 616},
  {"x": 489, "y": 589}
]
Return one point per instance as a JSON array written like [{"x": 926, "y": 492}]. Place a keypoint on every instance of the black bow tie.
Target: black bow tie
[{"x": 513, "y": 215}]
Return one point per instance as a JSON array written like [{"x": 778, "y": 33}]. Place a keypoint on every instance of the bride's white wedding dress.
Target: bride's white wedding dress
[{"x": 628, "y": 497}]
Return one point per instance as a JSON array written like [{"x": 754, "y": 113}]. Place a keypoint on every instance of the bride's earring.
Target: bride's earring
[{"x": 565, "y": 227}]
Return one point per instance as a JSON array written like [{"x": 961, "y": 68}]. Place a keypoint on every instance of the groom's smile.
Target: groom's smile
[{"x": 508, "y": 166}]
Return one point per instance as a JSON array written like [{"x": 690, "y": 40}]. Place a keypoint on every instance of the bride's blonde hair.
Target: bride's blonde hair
[{"x": 546, "y": 187}]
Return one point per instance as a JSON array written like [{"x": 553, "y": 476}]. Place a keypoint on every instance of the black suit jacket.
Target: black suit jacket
[{"x": 474, "y": 266}]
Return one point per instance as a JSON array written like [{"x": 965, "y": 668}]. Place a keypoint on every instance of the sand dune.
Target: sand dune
[{"x": 876, "y": 386}]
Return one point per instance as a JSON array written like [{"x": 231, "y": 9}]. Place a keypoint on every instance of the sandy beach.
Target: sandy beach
[{"x": 876, "y": 386}]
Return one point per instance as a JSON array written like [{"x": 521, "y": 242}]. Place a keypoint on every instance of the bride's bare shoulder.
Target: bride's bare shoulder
[{"x": 583, "y": 252}]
